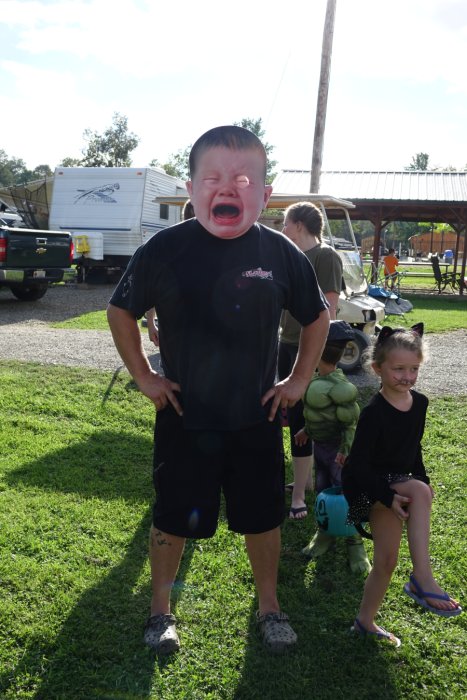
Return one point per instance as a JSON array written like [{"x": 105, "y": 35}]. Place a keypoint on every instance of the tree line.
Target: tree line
[
  {"x": 112, "y": 149},
  {"x": 114, "y": 146}
]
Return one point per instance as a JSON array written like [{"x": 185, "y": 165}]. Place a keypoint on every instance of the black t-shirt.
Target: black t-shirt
[
  {"x": 218, "y": 304},
  {"x": 387, "y": 442}
]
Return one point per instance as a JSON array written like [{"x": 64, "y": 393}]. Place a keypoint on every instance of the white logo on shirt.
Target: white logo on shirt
[{"x": 259, "y": 272}]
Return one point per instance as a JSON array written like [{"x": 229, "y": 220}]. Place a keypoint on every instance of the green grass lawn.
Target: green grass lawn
[
  {"x": 92, "y": 321},
  {"x": 75, "y": 490},
  {"x": 411, "y": 281},
  {"x": 439, "y": 314}
]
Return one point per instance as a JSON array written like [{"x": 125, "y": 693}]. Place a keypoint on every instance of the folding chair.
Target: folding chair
[
  {"x": 443, "y": 279},
  {"x": 390, "y": 282}
]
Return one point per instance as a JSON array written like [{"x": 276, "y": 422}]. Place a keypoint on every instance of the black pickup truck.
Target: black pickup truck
[{"x": 31, "y": 259}]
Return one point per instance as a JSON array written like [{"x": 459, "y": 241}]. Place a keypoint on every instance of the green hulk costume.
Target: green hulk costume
[{"x": 331, "y": 412}]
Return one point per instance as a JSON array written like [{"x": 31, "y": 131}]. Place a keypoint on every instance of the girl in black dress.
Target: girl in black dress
[{"x": 385, "y": 481}]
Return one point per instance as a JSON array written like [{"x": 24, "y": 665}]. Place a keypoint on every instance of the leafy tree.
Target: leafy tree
[
  {"x": 12, "y": 170},
  {"x": 70, "y": 162},
  {"x": 256, "y": 126},
  {"x": 6, "y": 175},
  {"x": 42, "y": 170},
  {"x": 178, "y": 166},
  {"x": 112, "y": 148},
  {"x": 419, "y": 162},
  {"x": 362, "y": 229}
]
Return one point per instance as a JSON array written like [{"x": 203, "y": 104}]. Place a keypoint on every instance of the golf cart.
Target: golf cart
[{"x": 361, "y": 311}]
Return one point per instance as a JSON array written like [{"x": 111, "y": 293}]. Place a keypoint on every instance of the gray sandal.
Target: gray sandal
[
  {"x": 161, "y": 635},
  {"x": 276, "y": 633}
]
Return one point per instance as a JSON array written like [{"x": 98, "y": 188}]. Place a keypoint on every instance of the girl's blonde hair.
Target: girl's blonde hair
[
  {"x": 390, "y": 339},
  {"x": 307, "y": 214}
]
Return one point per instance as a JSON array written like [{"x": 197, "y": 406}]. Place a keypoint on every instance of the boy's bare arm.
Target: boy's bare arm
[
  {"x": 312, "y": 341},
  {"x": 153, "y": 330},
  {"x": 127, "y": 339},
  {"x": 290, "y": 390}
]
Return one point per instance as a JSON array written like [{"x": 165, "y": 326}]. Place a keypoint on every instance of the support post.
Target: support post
[{"x": 323, "y": 90}]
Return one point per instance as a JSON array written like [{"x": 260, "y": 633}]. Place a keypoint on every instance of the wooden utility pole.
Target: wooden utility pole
[{"x": 323, "y": 90}]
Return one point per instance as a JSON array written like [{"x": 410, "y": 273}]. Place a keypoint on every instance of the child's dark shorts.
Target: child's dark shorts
[
  {"x": 327, "y": 471},
  {"x": 192, "y": 468}
]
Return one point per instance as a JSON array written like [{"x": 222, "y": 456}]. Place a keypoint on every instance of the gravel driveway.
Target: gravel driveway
[{"x": 25, "y": 335}]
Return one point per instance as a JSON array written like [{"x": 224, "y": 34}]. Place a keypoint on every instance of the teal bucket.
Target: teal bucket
[{"x": 331, "y": 510}]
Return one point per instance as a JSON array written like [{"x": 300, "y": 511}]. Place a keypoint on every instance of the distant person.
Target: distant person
[
  {"x": 303, "y": 224},
  {"x": 219, "y": 282},
  {"x": 448, "y": 257},
  {"x": 385, "y": 480},
  {"x": 331, "y": 412},
  {"x": 390, "y": 263}
]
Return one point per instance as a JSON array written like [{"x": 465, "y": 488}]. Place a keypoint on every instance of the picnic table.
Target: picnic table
[{"x": 405, "y": 263}]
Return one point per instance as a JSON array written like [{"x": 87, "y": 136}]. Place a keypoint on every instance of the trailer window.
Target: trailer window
[{"x": 164, "y": 211}]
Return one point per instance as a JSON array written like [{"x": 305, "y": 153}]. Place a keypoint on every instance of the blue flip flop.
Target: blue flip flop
[
  {"x": 382, "y": 635},
  {"x": 420, "y": 596}
]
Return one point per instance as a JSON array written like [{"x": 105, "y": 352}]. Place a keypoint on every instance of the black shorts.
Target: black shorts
[
  {"x": 295, "y": 419},
  {"x": 193, "y": 467}
]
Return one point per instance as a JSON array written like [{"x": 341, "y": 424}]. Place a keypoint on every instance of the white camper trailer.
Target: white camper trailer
[{"x": 111, "y": 212}]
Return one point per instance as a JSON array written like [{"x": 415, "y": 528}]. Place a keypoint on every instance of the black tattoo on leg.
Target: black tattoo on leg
[{"x": 160, "y": 539}]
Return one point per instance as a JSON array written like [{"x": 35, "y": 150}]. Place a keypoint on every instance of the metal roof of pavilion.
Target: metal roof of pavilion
[
  {"x": 385, "y": 196},
  {"x": 404, "y": 185}
]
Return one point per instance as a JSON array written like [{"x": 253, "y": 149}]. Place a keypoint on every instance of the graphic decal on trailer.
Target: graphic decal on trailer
[{"x": 98, "y": 195}]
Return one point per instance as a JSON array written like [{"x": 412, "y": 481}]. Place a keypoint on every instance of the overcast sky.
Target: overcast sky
[{"x": 175, "y": 69}]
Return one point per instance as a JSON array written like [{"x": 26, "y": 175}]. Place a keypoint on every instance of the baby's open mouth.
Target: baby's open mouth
[{"x": 226, "y": 211}]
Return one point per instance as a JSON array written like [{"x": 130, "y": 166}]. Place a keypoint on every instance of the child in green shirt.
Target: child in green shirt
[{"x": 331, "y": 413}]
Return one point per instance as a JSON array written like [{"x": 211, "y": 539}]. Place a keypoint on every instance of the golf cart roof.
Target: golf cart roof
[{"x": 276, "y": 201}]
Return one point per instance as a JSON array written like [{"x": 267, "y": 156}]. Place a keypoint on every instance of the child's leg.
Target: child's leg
[
  {"x": 324, "y": 455},
  {"x": 321, "y": 541},
  {"x": 386, "y": 529},
  {"x": 302, "y": 480},
  {"x": 301, "y": 460},
  {"x": 418, "y": 534}
]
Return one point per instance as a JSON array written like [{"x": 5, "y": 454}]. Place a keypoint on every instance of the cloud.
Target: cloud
[
  {"x": 146, "y": 39},
  {"x": 45, "y": 115},
  {"x": 402, "y": 40},
  {"x": 177, "y": 70}
]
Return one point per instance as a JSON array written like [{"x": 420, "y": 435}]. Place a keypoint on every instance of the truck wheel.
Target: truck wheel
[
  {"x": 352, "y": 357},
  {"x": 32, "y": 293}
]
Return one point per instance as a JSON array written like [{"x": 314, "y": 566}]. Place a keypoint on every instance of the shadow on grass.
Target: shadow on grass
[
  {"x": 106, "y": 465},
  {"x": 99, "y": 653},
  {"x": 99, "y": 650},
  {"x": 94, "y": 652},
  {"x": 321, "y": 597},
  {"x": 154, "y": 361}
]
